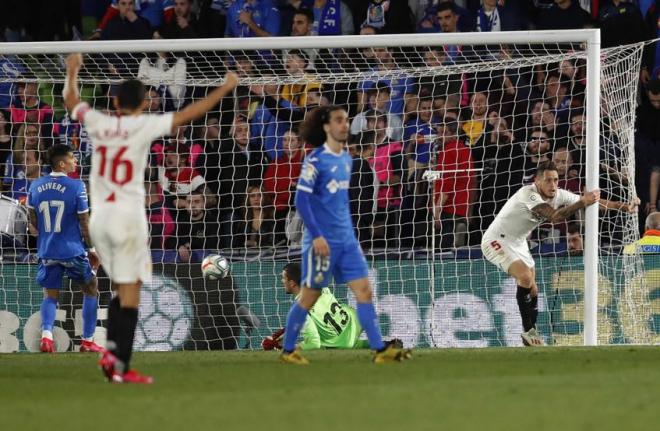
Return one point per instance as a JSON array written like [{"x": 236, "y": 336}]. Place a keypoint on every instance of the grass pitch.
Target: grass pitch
[{"x": 483, "y": 389}]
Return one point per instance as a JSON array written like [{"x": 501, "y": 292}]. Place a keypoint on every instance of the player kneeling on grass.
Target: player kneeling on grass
[
  {"x": 60, "y": 212},
  {"x": 330, "y": 248},
  {"x": 505, "y": 242},
  {"x": 119, "y": 226},
  {"x": 329, "y": 324}
]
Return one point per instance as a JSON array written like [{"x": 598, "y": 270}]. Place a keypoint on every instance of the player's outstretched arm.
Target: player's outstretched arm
[
  {"x": 70, "y": 93},
  {"x": 557, "y": 215},
  {"x": 201, "y": 107},
  {"x": 629, "y": 207}
]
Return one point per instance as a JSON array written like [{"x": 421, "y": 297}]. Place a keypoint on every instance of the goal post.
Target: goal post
[{"x": 432, "y": 287}]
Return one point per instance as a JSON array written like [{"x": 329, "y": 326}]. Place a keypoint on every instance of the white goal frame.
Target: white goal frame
[{"x": 589, "y": 37}]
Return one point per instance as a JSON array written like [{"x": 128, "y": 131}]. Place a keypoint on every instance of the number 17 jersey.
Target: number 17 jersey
[{"x": 121, "y": 149}]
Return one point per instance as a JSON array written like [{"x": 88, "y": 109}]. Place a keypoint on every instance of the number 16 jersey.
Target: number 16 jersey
[{"x": 121, "y": 149}]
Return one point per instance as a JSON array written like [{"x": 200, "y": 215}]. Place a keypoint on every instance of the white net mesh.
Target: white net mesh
[{"x": 483, "y": 116}]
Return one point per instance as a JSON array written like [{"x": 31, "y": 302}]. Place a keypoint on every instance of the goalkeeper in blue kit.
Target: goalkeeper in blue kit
[{"x": 330, "y": 248}]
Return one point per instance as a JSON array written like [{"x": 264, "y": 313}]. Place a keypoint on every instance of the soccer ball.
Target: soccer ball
[{"x": 215, "y": 267}]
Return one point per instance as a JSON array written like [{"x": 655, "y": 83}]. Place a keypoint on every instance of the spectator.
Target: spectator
[
  {"x": 11, "y": 69},
  {"x": 388, "y": 165},
  {"x": 542, "y": 116},
  {"x": 431, "y": 24},
  {"x": 29, "y": 108},
  {"x": 184, "y": 25},
  {"x": 651, "y": 60},
  {"x": 241, "y": 165},
  {"x": 563, "y": 15},
  {"x": 24, "y": 164},
  {"x": 152, "y": 12},
  {"x": 161, "y": 223},
  {"x": 208, "y": 161},
  {"x": 448, "y": 19},
  {"x": 253, "y": 18},
  {"x": 502, "y": 165},
  {"x": 389, "y": 16},
  {"x": 288, "y": 10},
  {"x": 363, "y": 186},
  {"x": 445, "y": 89},
  {"x": 296, "y": 61},
  {"x": 574, "y": 240},
  {"x": 213, "y": 18},
  {"x": 577, "y": 145},
  {"x": 6, "y": 142},
  {"x": 401, "y": 88},
  {"x": 177, "y": 178},
  {"x": 125, "y": 24},
  {"x": 196, "y": 228},
  {"x": 419, "y": 134},
  {"x": 564, "y": 161},
  {"x": 647, "y": 145},
  {"x": 379, "y": 100},
  {"x": 73, "y": 135},
  {"x": 621, "y": 23},
  {"x": 537, "y": 151},
  {"x": 274, "y": 117},
  {"x": 331, "y": 17},
  {"x": 558, "y": 96},
  {"x": 491, "y": 16},
  {"x": 254, "y": 223},
  {"x": 477, "y": 127},
  {"x": 454, "y": 190},
  {"x": 281, "y": 175}
]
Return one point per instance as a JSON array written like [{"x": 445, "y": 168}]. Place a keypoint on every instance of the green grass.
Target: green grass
[{"x": 488, "y": 389}]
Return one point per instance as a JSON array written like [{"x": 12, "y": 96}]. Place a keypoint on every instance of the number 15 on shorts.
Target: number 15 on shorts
[{"x": 321, "y": 266}]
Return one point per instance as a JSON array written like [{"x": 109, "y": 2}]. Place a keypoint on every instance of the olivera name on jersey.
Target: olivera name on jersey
[{"x": 51, "y": 186}]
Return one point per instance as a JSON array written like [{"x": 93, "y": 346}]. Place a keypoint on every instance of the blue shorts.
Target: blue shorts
[
  {"x": 51, "y": 271},
  {"x": 346, "y": 263}
]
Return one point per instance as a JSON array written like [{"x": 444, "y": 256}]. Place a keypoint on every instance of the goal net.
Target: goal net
[{"x": 481, "y": 114}]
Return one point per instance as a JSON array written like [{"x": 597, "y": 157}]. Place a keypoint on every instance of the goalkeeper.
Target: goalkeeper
[{"x": 329, "y": 324}]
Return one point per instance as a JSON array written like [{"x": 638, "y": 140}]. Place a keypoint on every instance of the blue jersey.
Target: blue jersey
[
  {"x": 326, "y": 176},
  {"x": 264, "y": 14},
  {"x": 57, "y": 200}
]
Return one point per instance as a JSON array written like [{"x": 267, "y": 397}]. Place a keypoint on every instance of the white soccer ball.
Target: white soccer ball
[{"x": 215, "y": 267}]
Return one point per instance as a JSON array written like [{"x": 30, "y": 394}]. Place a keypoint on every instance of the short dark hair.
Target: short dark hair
[
  {"x": 446, "y": 6},
  {"x": 539, "y": 130},
  {"x": 293, "y": 272},
  {"x": 131, "y": 94},
  {"x": 653, "y": 86},
  {"x": 307, "y": 13},
  {"x": 380, "y": 87},
  {"x": 301, "y": 54},
  {"x": 545, "y": 166},
  {"x": 574, "y": 228},
  {"x": 58, "y": 152}
]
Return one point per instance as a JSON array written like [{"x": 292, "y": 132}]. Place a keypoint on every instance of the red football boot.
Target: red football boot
[
  {"x": 47, "y": 345},
  {"x": 90, "y": 346},
  {"x": 107, "y": 365},
  {"x": 132, "y": 376}
]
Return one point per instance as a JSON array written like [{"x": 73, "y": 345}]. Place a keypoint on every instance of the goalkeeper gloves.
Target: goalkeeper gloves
[{"x": 273, "y": 342}]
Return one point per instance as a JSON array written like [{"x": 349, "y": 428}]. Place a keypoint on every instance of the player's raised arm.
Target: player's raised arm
[
  {"x": 70, "y": 93},
  {"x": 557, "y": 215},
  {"x": 201, "y": 107}
]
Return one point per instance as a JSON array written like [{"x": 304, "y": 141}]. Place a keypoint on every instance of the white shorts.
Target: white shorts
[
  {"x": 502, "y": 253},
  {"x": 121, "y": 240}
]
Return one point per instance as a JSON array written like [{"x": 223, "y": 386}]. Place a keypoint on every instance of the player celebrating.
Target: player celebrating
[
  {"x": 59, "y": 210},
  {"x": 329, "y": 244},
  {"x": 118, "y": 226},
  {"x": 505, "y": 242},
  {"x": 329, "y": 324}
]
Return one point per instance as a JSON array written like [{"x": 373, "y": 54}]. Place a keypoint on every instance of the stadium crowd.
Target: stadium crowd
[{"x": 229, "y": 181}]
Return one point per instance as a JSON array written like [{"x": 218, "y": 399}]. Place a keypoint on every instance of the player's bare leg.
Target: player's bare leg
[
  {"x": 48, "y": 310},
  {"x": 308, "y": 298},
  {"x": 527, "y": 298},
  {"x": 90, "y": 304},
  {"x": 369, "y": 320}
]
